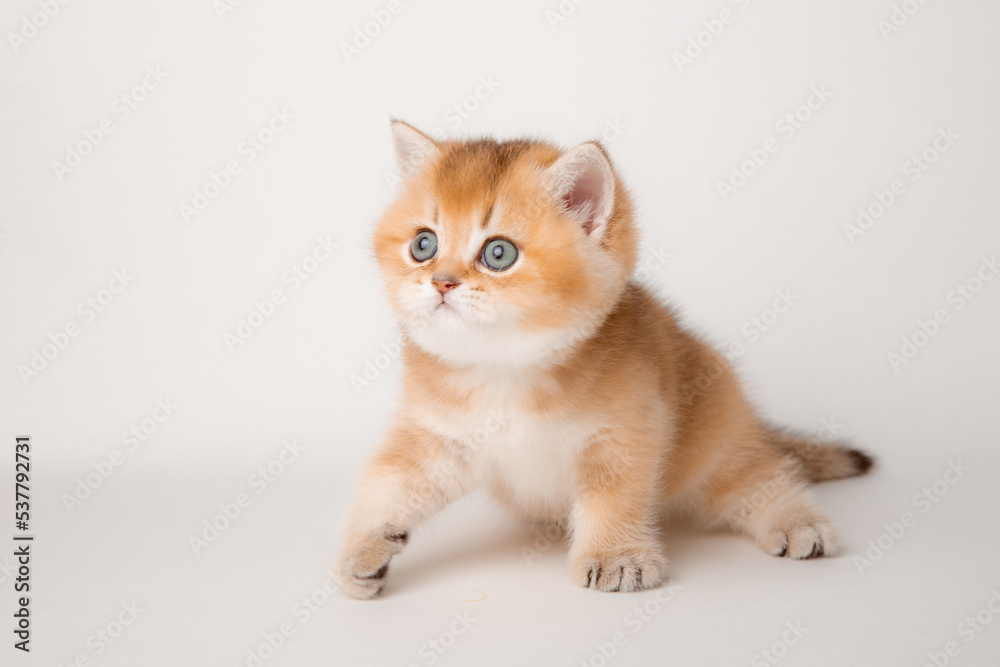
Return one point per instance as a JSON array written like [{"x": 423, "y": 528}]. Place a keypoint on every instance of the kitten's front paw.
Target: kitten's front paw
[
  {"x": 624, "y": 569},
  {"x": 365, "y": 562}
]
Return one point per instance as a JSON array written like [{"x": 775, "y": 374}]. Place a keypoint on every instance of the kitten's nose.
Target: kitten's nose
[{"x": 444, "y": 283}]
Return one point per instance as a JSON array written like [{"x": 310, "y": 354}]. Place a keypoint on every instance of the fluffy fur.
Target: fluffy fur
[{"x": 567, "y": 391}]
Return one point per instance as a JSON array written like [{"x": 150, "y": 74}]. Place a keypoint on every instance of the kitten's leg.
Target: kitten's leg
[
  {"x": 413, "y": 476},
  {"x": 615, "y": 545},
  {"x": 772, "y": 508}
]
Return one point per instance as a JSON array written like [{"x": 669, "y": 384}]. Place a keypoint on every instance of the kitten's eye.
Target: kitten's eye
[
  {"x": 424, "y": 246},
  {"x": 499, "y": 254}
]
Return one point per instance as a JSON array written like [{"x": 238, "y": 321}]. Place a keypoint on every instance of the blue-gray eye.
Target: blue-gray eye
[
  {"x": 499, "y": 254},
  {"x": 424, "y": 246}
]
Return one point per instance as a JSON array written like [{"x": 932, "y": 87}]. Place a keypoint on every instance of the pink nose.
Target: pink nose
[{"x": 444, "y": 283}]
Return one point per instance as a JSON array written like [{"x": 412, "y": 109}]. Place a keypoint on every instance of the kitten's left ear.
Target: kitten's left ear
[
  {"x": 413, "y": 148},
  {"x": 583, "y": 180}
]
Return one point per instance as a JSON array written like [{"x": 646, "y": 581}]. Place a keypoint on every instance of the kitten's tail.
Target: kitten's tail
[{"x": 821, "y": 460}]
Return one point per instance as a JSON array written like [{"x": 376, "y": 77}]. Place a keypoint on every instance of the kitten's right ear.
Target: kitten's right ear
[
  {"x": 413, "y": 148},
  {"x": 583, "y": 180}
]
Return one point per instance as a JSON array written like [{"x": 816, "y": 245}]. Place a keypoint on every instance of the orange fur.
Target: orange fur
[{"x": 568, "y": 392}]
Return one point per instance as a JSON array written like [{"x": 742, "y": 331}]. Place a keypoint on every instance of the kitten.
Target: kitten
[{"x": 534, "y": 368}]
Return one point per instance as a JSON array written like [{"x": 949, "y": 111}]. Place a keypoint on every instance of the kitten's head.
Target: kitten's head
[{"x": 503, "y": 252}]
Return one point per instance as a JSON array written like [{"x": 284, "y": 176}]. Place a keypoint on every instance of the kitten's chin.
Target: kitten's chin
[{"x": 457, "y": 342}]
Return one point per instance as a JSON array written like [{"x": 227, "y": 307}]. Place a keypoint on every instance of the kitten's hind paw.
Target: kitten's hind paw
[{"x": 803, "y": 541}]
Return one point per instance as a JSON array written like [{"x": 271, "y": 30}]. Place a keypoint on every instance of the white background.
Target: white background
[{"x": 329, "y": 173}]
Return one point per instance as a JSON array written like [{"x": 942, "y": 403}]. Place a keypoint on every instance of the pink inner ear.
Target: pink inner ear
[{"x": 585, "y": 197}]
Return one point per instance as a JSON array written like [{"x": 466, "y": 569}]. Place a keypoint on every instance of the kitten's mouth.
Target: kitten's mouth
[{"x": 447, "y": 311}]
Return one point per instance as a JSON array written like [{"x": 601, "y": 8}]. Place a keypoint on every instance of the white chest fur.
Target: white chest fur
[{"x": 525, "y": 457}]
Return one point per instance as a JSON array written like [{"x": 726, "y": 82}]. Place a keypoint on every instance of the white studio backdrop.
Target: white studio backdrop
[{"x": 194, "y": 326}]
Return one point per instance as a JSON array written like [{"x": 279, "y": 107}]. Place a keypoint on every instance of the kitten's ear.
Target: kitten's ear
[
  {"x": 413, "y": 148},
  {"x": 583, "y": 180}
]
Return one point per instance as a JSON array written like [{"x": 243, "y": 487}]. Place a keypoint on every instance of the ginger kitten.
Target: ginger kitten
[{"x": 534, "y": 368}]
